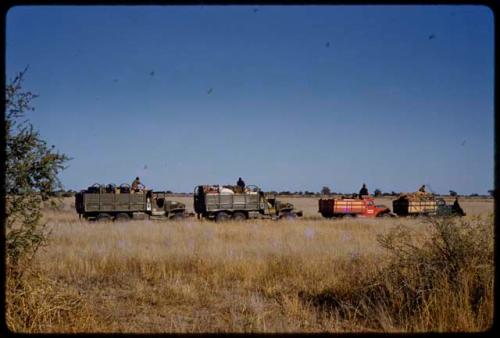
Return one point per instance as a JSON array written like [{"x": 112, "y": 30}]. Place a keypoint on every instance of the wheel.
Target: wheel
[
  {"x": 178, "y": 216},
  {"x": 103, "y": 217},
  {"x": 122, "y": 217},
  {"x": 288, "y": 215},
  {"x": 222, "y": 217},
  {"x": 239, "y": 216},
  {"x": 325, "y": 215}
]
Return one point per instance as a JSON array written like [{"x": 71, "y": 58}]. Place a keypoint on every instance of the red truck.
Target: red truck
[{"x": 351, "y": 207}]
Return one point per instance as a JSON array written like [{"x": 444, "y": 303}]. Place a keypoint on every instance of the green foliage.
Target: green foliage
[
  {"x": 325, "y": 190},
  {"x": 30, "y": 174}
]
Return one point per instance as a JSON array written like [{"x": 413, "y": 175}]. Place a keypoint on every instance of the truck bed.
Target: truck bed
[
  {"x": 405, "y": 207},
  {"x": 341, "y": 206},
  {"x": 220, "y": 201},
  {"x": 107, "y": 202}
]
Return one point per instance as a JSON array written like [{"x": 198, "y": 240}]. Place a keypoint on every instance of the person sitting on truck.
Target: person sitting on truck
[
  {"x": 457, "y": 209},
  {"x": 135, "y": 184},
  {"x": 241, "y": 184},
  {"x": 422, "y": 188},
  {"x": 363, "y": 191}
]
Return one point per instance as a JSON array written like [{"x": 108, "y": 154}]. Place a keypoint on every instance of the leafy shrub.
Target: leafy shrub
[
  {"x": 31, "y": 170},
  {"x": 441, "y": 282}
]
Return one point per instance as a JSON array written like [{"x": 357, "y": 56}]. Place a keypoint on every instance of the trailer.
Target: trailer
[
  {"x": 351, "y": 207},
  {"x": 221, "y": 203}
]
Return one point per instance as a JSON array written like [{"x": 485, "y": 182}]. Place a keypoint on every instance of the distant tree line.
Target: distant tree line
[{"x": 324, "y": 191}]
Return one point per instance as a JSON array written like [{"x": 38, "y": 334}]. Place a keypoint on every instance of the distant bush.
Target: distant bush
[
  {"x": 325, "y": 190},
  {"x": 452, "y": 268},
  {"x": 377, "y": 193},
  {"x": 453, "y": 193}
]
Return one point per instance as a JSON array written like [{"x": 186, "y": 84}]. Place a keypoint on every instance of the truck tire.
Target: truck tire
[
  {"x": 325, "y": 215},
  {"x": 288, "y": 216},
  {"x": 178, "y": 216},
  {"x": 222, "y": 217},
  {"x": 122, "y": 217},
  {"x": 103, "y": 217},
  {"x": 239, "y": 216}
]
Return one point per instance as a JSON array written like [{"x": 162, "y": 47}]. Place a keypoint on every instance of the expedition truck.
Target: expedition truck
[
  {"x": 106, "y": 203},
  {"x": 423, "y": 205},
  {"x": 351, "y": 207},
  {"x": 228, "y": 202}
]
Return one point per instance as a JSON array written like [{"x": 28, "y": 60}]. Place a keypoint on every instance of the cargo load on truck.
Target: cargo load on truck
[
  {"x": 423, "y": 204},
  {"x": 351, "y": 207},
  {"x": 109, "y": 202},
  {"x": 408, "y": 204},
  {"x": 232, "y": 202}
]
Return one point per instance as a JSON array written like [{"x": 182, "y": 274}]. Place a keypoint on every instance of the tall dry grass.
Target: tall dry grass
[{"x": 258, "y": 276}]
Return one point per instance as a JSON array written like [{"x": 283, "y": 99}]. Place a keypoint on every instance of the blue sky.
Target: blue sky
[{"x": 289, "y": 98}]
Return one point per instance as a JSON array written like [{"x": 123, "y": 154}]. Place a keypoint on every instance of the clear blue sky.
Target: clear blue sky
[{"x": 289, "y": 98}]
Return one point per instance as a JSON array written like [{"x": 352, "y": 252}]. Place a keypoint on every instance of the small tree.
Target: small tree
[
  {"x": 453, "y": 193},
  {"x": 31, "y": 170},
  {"x": 325, "y": 190},
  {"x": 491, "y": 192},
  {"x": 377, "y": 193}
]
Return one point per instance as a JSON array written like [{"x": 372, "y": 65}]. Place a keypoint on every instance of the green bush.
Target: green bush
[{"x": 441, "y": 281}]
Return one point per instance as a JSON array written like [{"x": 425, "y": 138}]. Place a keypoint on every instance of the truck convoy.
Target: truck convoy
[
  {"x": 232, "y": 202},
  {"x": 351, "y": 207},
  {"x": 221, "y": 203},
  {"x": 107, "y": 203}
]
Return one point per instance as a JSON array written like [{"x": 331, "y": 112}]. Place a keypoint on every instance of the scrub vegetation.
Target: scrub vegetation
[{"x": 311, "y": 275}]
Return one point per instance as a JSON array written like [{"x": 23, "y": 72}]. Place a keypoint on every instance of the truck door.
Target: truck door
[{"x": 370, "y": 208}]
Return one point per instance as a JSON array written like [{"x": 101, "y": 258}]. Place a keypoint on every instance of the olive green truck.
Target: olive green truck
[
  {"x": 222, "y": 203},
  {"x": 107, "y": 203}
]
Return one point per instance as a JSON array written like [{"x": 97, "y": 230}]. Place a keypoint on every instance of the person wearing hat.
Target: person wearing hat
[
  {"x": 241, "y": 185},
  {"x": 363, "y": 191},
  {"x": 135, "y": 184}
]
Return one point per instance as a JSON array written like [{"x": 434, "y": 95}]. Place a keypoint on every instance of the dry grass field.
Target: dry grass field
[{"x": 306, "y": 275}]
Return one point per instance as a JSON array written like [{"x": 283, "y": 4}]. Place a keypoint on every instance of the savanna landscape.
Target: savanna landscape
[
  {"x": 289, "y": 97},
  {"x": 304, "y": 275}
]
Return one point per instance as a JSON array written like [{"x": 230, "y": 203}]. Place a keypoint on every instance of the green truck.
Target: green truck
[
  {"x": 107, "y": 203},
  {"x": 222, "y": 203}
]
